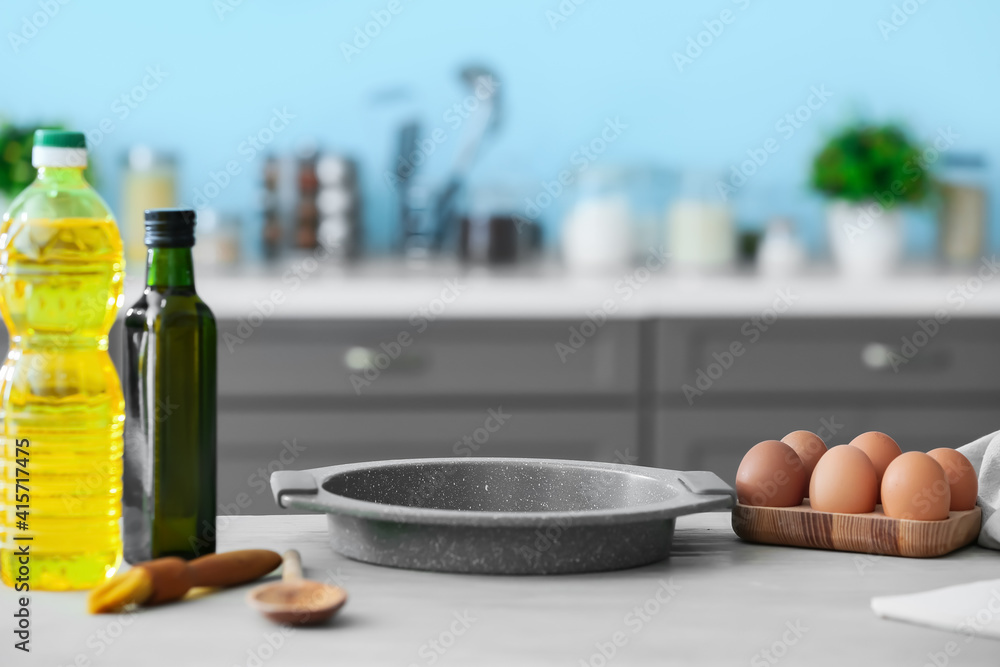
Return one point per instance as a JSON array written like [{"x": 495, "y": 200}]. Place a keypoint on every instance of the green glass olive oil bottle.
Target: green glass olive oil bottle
[{"x": 170, "y": 402}]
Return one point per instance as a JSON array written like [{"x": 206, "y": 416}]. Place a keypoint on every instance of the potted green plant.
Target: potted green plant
[
  {"x": 16, "y": 172},
  {"x": 869, "y": 172}
]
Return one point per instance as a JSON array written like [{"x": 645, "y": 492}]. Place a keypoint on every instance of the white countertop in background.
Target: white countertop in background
[{"x": 393, "y": 291}]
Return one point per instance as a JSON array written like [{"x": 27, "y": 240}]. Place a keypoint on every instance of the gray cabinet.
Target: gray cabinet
[
  {"x": 254, "y": 444},
  {"x": 793, "y": 356},
  {"x": 926, "y": 428},
  {"x": 448, "y": 358},
  {"x": 863, "y": 374},
  {"x": 717, "y": 438},
  {"x": 298, "y": 394},
  {"x": 287, "y": 401}
]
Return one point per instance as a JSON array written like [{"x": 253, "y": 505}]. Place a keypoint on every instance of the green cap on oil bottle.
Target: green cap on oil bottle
[{"x": 60, "y": 139}]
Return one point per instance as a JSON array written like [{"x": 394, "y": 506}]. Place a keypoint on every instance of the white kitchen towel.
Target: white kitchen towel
[
  {"x": 985, "y": 457},
  {"x": 971, "y": 609}
]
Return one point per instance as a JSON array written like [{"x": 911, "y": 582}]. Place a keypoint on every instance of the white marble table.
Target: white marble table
[{"x": 717, "y": 601}]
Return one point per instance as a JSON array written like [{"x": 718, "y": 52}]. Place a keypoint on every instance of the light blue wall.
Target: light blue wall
[{"x": 608, "y": 59}]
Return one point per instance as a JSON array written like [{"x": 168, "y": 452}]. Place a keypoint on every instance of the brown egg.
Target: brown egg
[
  {"x": 880, "y": 448},
  {"x": 770, "y": 475},
  {"x": 915, "y": 487},
  {"x": 961, "y": 477},
  {"x": 810, "y": 447},
  {"x": 844, "y": 481}
]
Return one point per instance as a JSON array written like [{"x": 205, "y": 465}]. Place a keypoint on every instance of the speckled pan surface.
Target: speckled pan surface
[{"x": 501, "y": 515}]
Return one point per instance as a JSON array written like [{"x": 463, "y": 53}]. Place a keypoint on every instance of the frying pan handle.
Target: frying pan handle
[
  {"x": 292, "y": 482},
  {"x": 704, "y": 483}
]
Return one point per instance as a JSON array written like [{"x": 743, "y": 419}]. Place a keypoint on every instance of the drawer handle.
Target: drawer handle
[
  {"x": 361, "y": 358},
  {"x": 877, "y": 356}
]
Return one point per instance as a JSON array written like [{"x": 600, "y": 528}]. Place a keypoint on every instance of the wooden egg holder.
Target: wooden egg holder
[{"x": 871, "y": 533}]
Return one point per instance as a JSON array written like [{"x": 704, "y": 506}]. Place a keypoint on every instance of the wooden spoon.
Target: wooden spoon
[{"x": 294, "y": 600}]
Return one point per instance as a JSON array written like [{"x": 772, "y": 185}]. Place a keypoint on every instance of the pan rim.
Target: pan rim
[{"x": 684, "y": 501}]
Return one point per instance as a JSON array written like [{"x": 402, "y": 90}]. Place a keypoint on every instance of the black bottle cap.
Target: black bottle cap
[{"x": 170, "y": 228}]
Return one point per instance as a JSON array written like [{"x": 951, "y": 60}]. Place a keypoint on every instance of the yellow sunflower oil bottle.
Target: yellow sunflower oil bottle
[{"x": 61, "y": 272}]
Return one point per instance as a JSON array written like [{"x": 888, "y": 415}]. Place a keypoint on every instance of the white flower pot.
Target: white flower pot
[{"x": 866, "y": 239}]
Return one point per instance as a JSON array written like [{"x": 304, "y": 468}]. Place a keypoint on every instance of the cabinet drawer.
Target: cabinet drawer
[
  {"x": 828, "y": 356},
  {"x": 716, "y": 439},
  {"x": 254, "y": 444},
  {"x": 448, "y": 358},
  {"x": 925, "y": 430}
]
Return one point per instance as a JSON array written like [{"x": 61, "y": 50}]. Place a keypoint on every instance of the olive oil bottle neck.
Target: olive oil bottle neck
[{"x": 169, "y": 267}]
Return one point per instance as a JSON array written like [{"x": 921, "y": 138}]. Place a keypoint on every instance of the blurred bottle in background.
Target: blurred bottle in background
[
  {"x": 306, "y": 211},
  {"x": 651, "y": 188},
  {"x": 272, "y": 231},
  {"x": 218, "y": 246},
  {"x": 493, "y": 231},
  {"x": 701, "y": 236},
  {"x": 149, "y": 181},
  {"x": 339, "y": 205},
  {"x": 598, "y": 232},
  {"x": 780, "y": 253},
  {"x": 963, "y": 183}
]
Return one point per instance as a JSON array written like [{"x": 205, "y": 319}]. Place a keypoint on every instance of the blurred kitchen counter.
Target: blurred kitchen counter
[
  {"x": 305, "y": 289},
  {"x": 382, "y": 361}
]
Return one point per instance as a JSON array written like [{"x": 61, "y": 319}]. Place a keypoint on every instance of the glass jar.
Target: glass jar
[
  {"x": 701, "y": 235},
  {"x": 149, "y": 181}
]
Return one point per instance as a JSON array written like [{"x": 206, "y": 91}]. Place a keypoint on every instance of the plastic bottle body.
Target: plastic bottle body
[{"x": 61, "y": 279}]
